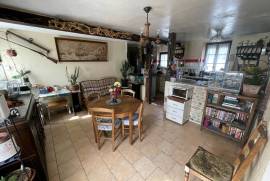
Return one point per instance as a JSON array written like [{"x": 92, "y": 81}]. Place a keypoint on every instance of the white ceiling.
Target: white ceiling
[{"x": 188, "y": 18}]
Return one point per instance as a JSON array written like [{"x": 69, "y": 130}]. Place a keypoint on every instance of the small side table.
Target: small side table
[{"x": 76, "y": 101}]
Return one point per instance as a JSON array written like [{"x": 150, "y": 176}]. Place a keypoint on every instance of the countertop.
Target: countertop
[
  {"x": 23, "y": 109},
  {"x": 191, "y": 82}
]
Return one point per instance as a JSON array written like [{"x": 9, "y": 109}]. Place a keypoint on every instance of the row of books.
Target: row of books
[
  {"x": 228, "y": 130},
  {"x": 224, "y": 115}
]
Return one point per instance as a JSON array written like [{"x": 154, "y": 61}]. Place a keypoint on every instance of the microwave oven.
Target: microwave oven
[{"x": 183, "y": 93}]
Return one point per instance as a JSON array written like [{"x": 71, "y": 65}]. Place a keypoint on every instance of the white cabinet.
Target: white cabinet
[
  {"x": 196, "y": 104},
  {"x": 178, "y": 111}
]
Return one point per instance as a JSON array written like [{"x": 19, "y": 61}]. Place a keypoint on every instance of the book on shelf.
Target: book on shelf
[
  {"x": 225, "y": 116},
  {"x": 225, "y": 129}
]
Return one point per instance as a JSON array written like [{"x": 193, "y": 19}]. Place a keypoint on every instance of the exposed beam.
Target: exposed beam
[{"x": 35, "y": 20}]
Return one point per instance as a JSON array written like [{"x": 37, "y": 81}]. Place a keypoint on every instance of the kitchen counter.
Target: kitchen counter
[{"x": 29, "y": 136}]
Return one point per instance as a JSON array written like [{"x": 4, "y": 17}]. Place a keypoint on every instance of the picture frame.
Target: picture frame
[{"x": 77, "y": 50}]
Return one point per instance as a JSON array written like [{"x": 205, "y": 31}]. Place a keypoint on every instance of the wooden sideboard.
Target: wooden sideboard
[{"x": 30, "y": 138}]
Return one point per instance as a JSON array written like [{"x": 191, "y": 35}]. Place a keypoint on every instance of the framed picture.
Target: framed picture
[{"x": 72, "y": 50}]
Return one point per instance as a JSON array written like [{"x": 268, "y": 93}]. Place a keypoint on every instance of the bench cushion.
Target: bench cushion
[{"x": 210, "y": 165}]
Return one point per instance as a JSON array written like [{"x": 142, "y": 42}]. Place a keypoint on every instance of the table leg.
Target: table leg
[{"x": 130, "y": 128}]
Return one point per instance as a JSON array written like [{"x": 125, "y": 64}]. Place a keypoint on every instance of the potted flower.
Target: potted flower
[
  {"x": 72, "y": 78},
  {"x": 126, "y": 70},
  {"x": 22, "y": 74},
  {"x": 254, "y": 77}
]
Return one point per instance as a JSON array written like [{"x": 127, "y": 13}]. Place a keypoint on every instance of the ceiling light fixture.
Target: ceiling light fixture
[{"x": 145, "y": 33}]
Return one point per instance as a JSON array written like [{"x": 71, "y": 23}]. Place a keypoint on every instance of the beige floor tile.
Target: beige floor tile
[
  {"x": 52, "y": 169},
  {"x": 177, "y": 172},
  {"x": 69, "y": 168},
  {"x": 50, "y": 156},
  {"x": 93, "y": 162},
  {"x": 54, "y": 178},
  {"x": 164, "y": 162},
  {"x": 123, "y": 170},
  {"x": 159, "y": 175},
  {"x": 145, "y": 167},
  {"x": 77, "y": 176},
  {"x": 81, "y": 142},
  {"x": 167, "y": 147},
  {"x": 65, "y": 155},
  {"x": 180, "y": 156},
  {"x": 136, "y": 177},
  {"x": 100, "y": 173},
  {"x": 86, "y": 151},
  {"x": 64, "y": 145},
  {"x": 150, "y": 150}
]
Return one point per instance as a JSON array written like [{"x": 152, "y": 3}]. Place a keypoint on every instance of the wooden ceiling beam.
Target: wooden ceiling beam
[{"x": 30, "y": 19}]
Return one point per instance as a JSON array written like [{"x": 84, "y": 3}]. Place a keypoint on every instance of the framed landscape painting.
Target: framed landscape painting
[{"x": 72, "y": 50}]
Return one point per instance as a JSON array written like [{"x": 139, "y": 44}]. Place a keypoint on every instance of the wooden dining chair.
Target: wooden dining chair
[
  {"x": 137, "y": 121},
  {"x": 128, "y": 92},
  {"x": 210, "y": 167},
  {"x": 104, "y": 121}
]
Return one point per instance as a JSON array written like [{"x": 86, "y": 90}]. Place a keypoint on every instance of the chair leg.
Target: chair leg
[
  {"x": 123, "y": 131},
  {"x": 141, "y": 131},
  {"x": 98, "y": 139},
  {"x": 186, "y": 173},
  {"x": 113, "y": 141}
]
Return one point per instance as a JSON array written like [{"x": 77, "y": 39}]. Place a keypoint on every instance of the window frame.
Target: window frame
[
  {"x": 215, "y": 59},
  {"x": 162, "y": 53}
]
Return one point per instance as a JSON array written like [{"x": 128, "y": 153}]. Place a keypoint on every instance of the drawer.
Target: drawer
[
  {"x": 179, "y": 108},
  {"x": 175, "y": 112},
  {"x": 174, "y": 118},
  {"x": 175, "y": 104}
]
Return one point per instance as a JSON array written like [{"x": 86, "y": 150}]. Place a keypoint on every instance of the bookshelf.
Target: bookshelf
[{"x": 229, "y": 115}]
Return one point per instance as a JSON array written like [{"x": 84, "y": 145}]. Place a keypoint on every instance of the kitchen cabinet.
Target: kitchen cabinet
[{"x": 30, "y": 138}]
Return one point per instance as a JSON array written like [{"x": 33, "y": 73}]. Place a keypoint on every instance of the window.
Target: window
[
  {"x": 163, "y": 59},
  {"x": 216, "y": 56}
]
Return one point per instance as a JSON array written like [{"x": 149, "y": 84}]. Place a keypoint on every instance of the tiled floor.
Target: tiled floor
[{"x": 72, "y": 154}]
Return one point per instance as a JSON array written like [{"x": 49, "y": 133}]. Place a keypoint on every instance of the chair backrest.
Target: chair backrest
[
  {"x": 103, "y": 113},
  {"x": 254, "y": 145},
  {"x": 128, "y": 92}
]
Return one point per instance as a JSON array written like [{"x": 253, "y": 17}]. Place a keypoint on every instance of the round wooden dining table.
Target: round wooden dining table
[{"x": 127, "y": 107}]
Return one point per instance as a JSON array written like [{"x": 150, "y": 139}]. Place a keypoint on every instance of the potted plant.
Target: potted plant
[
  {"x": 22, "y": 74},
  {"x": 72, "y": 78},
  {"x": 254, "y": 77},
  {"x": 126, "y": 70}
]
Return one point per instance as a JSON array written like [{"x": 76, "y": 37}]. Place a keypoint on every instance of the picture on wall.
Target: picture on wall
[{"x": 72, "y": 50}]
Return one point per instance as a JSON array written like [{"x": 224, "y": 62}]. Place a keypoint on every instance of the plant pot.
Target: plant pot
[
  {"x": 251, "y": 90},
  {"x": 124, "y": 82},
  {"x": 74, "y": 87},
  {"x": 26, "y": 79}
]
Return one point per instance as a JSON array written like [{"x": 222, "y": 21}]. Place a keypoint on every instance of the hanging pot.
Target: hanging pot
[{"x": 11, "y": 53}]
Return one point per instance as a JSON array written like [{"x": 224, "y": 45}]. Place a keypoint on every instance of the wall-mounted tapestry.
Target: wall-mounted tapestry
[{"x": 72, "y": 50}]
